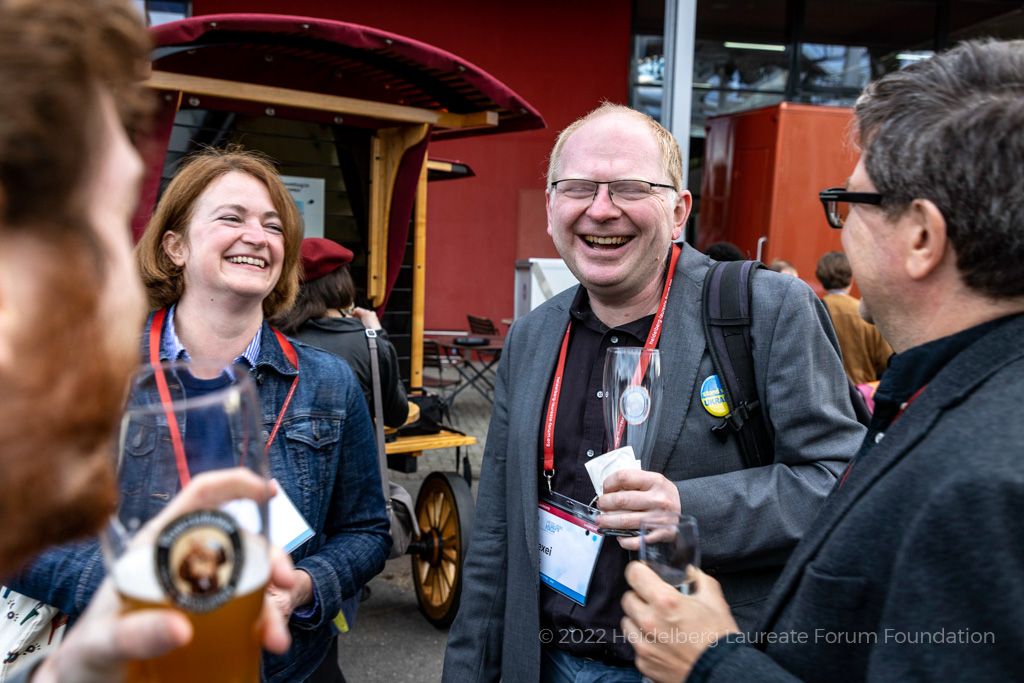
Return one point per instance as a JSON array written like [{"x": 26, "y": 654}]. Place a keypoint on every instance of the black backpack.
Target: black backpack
[{"x": 727, "y": 318}]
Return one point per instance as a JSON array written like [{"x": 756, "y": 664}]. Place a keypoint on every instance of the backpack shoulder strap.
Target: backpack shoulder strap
[
  {"x": 727, "y": 319},
  {"x": 378, "y": 415}
]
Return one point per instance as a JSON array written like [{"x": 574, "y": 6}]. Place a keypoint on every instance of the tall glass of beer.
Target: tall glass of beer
[{"x": 181, "y": 420}]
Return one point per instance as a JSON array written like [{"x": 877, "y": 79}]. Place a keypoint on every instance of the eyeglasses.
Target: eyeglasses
[
  {"x": 621, "y": 190},
  {"x": 837, "y": 200}
]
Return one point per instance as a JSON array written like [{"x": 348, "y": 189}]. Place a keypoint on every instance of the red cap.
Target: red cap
[{"x": 322, "y": 257}]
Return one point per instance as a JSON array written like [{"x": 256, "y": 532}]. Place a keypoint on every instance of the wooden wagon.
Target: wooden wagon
[{"x": 348, "y": 112}]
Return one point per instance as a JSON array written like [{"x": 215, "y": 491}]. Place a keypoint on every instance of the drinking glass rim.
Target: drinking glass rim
[
  {"x": 241, "y": 383},
  {"x": 663, "y": 517},
  {"x": 630, "y": 350}
]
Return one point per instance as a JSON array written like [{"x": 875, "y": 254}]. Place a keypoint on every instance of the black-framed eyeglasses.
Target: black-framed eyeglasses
[
  {"x": 837, "y": 200},
  {"x": 626, "y": 190}
]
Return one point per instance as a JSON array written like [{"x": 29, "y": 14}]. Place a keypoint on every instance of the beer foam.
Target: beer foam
[{"x": 135, "y": 573}]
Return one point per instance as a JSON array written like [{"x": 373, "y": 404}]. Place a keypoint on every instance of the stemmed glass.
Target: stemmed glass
[
  {"x": 632, "y": 398},
  {"x": 181, "y": 420}
]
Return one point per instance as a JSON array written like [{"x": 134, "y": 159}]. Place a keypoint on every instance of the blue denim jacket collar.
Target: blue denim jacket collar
[{"x": 270, "y": 354}]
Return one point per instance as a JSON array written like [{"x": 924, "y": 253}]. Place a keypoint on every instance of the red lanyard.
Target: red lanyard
[
  {"x": 155, "y": 330},
  {"x": 556, "y": 386}
]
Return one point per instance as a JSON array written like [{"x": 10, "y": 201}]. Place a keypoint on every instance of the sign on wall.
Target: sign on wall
[{"x": 308, "y": 194}]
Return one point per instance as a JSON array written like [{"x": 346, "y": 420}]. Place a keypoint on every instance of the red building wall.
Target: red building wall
[
  {"x": 562, "y": 57},
  {"x": 763, "y": 171}
]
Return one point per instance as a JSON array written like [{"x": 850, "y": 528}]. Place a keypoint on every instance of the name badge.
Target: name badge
[
  {"x": 569, "y": 546},
  {"x": 287, "y": 529}
]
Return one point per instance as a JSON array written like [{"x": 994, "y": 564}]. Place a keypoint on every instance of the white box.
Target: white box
[{"x": 539, "y": 279}]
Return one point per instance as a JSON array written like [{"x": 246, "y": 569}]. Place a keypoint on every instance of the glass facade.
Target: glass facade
[{"x": 749, "y": 55}]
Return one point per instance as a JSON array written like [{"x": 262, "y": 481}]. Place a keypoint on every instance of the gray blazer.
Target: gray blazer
[
  {"x": 919, "y": 553},
  {"x": 750, "y": 519}
]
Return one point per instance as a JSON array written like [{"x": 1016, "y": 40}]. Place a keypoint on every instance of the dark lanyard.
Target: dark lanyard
[
  {"x": 556, "y": 386},
  {"x": 155, "y": 330}
]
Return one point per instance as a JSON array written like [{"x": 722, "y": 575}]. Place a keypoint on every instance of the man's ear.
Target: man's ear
[
  {"x": 547, "y": 208},
  {"x": 175, "y": 248},
  {"x": 680, "y": 213},
  {"x": 927, "y": 243}
]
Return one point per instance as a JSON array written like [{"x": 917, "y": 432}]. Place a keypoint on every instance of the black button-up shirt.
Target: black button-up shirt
[
  {"x": 910, "y": 371},
  {"x": 591, "y": 630}
]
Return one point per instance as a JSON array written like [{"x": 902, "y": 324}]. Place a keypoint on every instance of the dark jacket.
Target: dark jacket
[
  {"x": 346, "y": 337},
  {"x": 913, "y": 570},
  {"x": 750, "y": 518}
]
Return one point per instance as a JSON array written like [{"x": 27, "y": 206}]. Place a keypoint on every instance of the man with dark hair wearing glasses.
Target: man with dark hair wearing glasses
[
  {"x": 615, "y": 206},
  {"x": 913, "y": 569}
]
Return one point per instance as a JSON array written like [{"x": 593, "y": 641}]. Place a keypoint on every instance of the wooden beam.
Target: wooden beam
[
  {"x": 387, "y": 147},
  {"x": 433, "y": 165},
  {"x": 419, "y": 278},
  {"x": 479, "y": 119},
  {"x": 287, "y": 97}
]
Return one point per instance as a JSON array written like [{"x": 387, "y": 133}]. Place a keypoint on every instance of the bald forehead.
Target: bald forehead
[
  {"x": 613, "y": 142},
  {"x": 615, "y": 124}
]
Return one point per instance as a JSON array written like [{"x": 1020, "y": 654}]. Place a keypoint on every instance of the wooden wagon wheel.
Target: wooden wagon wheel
[{"x": 444, "y": 510}]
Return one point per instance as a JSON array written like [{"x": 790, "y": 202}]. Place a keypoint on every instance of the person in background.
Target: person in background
[
  {"x": 784, "y": 267},
  {"x": 71, "y": 306},
  {"x": 865, "y": 352},
  {"x": 724, "y": 251},
  {"x": 219, "y": 256},
  {"x": 325, "y": 315},
  {"x": 615, "y": 206},
  {"x": 913, "y": 569}
]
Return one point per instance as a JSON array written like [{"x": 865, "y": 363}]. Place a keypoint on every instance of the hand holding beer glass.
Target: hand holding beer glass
[{"x": 212, "y": 561}]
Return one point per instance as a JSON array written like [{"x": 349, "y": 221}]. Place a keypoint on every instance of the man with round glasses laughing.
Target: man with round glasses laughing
[{"x": 615, "y": 206}]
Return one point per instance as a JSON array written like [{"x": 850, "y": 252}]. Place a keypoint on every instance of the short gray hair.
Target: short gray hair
[{"x": 951, "y": 130}]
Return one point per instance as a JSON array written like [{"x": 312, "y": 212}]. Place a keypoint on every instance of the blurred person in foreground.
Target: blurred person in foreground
[
  {"x": 865, "y": 353},
  {"x": 70, "y": 308},
  {"x": 615, "y": 206},
  {"x": 913, "y": 569},
  {"x": 325, "y": 315},
  {"x": 219, "y": 256}
]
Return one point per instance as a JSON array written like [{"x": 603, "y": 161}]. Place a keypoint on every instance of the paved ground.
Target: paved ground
[{"x": 391, "y": 641}]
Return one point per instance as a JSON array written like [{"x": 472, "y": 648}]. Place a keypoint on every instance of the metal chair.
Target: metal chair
[
  {"x": 484, "y": 326},
  {"x": 435, "y": 359}
]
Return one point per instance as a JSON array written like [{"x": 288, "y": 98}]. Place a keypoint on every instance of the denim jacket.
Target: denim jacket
[{"x": 325, "y": 458}]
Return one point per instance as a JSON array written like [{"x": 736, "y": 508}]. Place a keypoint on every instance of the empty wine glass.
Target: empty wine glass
[{"x": 632, "y": 398}]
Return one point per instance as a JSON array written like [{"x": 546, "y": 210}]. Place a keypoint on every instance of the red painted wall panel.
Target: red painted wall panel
[
  {"x": 815, "y": 152},
  {"x": 563, "y": 57},
  {"x": 765, "y": 168}
]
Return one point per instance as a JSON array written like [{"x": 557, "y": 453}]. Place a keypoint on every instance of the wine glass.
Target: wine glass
[
  {"x": 632, "y": 398},
  {"x": 181, "y": 420},
  {"x": 670, "y": 546}
]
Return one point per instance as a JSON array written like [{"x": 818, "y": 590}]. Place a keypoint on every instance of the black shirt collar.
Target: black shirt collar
[
  {"x": 582, "y": 314},
  {"x": 911, "y": 370}
]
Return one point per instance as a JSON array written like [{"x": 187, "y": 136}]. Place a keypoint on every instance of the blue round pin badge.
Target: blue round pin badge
[{"x": 713, "y": 398}]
